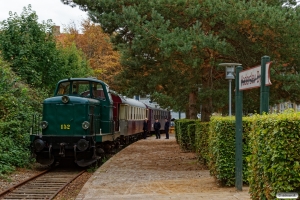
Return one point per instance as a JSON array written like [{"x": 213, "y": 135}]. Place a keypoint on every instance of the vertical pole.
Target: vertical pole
[
  {"x": 264, "y": 90},
  {"x": 238, "y": 132},
  {"x": 230, "y": 97}
]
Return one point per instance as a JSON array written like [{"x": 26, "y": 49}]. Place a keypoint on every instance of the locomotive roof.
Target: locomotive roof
[{"x": 83, "y": 79}]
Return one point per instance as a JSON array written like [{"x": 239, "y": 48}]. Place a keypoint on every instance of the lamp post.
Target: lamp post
[
  {"x": 230, "y": 76},
  {"x": 230, "y": 69}
]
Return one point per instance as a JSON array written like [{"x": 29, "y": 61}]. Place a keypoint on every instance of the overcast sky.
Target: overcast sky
[{"x": 45, "y": 9}]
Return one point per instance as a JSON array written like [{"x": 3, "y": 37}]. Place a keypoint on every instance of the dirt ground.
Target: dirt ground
[{"x": 155, "y": 169}]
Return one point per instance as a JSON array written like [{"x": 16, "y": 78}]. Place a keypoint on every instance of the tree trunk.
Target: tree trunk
[
  {"x": 206, "y": 112},
  {"x": 193, "y": 105}
]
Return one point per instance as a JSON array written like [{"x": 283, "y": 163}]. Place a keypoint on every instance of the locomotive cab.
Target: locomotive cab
[{"x": 75, "y": 121}]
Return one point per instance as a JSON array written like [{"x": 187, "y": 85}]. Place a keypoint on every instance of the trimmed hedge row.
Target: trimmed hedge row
[
  {"x": 271, "y": 154},
  {"x": 275, "y": 159},
  {"x": 183, "y": 137},
  {"x": 201, "y": 142}
]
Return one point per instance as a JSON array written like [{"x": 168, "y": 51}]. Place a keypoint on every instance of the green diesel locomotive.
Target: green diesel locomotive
[
  {"x": 84, "y": 120},
  {"x": 75, "y": 123}
]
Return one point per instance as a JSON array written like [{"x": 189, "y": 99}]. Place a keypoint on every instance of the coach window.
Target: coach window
[
  {"x": 123, "y": 111},
  {"x": 129, "y": 112}
]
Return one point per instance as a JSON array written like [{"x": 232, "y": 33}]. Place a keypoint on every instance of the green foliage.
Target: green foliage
[
  {"x": 274, "y": 162},
  {"x": 73, "y": 63},
  {"x": 221, "y": 148},
  {"x": 30, "y": 48},
  {"x": 174, "y": 47},
  {"x": 183, "y": 133},
  {"x": 17, "y": 104},
  {"x": 191, "y": 135},
  {"x": 221, "y": 145},
  {"x": 201, "y": 141}
]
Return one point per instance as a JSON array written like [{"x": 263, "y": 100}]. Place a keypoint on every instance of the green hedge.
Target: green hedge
[
  {"x": 271, "y": 150},
  {"x": 191, "y": 135},
  {"x": 183, "y": 137},
  {"x": 201, "y": 141},
  {"x": 221, "y": 145},
  {"x": 275, "y": 158}
]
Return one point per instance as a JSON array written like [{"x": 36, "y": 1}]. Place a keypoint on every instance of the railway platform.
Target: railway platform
[{"x": 156, "y": 169}]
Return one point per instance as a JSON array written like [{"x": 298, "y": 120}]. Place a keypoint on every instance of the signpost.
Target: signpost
[
  {"x": 238, "y": 132},
  {"x": 252, "y": 78}
]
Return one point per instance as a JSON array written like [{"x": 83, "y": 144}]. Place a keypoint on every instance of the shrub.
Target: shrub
[
  {"x": 181, "y": 133},
  {"x": 201, "y": 141},
  {"x": 274, "y": 162},
  {"x": 17, "y": 104}
]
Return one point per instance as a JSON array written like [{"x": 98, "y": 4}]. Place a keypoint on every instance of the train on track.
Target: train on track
[{"x": 85, "y": 120}]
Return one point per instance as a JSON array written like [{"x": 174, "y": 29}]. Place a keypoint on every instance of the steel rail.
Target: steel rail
[
  {"x": 41, "y": 187},
  {"x": 23, "y": 182}
]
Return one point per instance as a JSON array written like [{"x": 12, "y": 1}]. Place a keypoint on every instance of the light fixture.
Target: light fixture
[
  {"x": 230, "y": 68},
  {"x": 85, "y": 125},
  {"x": 44, "y": 124},
  {"x": 65, "y": 99}
]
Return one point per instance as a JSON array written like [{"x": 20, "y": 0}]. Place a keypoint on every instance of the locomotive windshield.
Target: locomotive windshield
[{"x": 81, "y": 88}]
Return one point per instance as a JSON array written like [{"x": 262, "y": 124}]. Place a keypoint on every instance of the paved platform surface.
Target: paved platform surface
[{"x": 156, "y": 169}]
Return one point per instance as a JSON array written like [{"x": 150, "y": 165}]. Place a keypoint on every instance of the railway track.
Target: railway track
[{"x": 45, "y": 185}]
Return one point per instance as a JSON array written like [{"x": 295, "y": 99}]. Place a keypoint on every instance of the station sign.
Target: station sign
[{"x": 250, "y": 78}]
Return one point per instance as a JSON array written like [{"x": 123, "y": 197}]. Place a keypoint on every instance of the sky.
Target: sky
[{"x": 60, "y": 14}]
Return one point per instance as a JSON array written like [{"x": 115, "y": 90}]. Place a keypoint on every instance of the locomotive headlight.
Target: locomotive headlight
[
  {"x": 44, "y": 124},
  {"x": 82, "y": 145},
  {"x": 39, "y": 145},
  {"x": 85, "y": 125},
  {"x": 65, "y": 99}
]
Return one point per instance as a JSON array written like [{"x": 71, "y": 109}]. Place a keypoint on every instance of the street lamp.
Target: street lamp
[{"x": 230, "y": 67}]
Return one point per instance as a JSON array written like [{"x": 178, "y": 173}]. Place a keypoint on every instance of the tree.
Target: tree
[
  {"x": 96, "y": 46},
  {"x": 18, "y": 103},
  {"x": 31, "y": 50},
  {"x": 173, "y": 47},
  {"x": 73, "y": 62}
]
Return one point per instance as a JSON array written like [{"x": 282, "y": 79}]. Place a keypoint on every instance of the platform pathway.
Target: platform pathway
[{"x": 156, "y": 169}]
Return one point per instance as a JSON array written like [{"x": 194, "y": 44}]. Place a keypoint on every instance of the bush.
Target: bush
[
  {"x": 182, "y": 133},
  {"x": 274, "y": 162},
  {"x": 221, "y": 148},
  {"x": 17, "y": 104},
  {"x": 201, "y": 141}
]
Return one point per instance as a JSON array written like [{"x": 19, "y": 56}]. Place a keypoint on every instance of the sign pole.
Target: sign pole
[
  {"x": 264, "y": 90},
  {"x": 238, "y": 132}
]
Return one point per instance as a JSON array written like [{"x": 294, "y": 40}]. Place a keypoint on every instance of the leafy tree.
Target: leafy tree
[
  {"x": 97, "y": 48},
  {"x": 18, "y": 103},
  {"x": 31, "y": 49},
  {"x": 171, "y": 48},
  {"x": 73, "y": 62}
]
